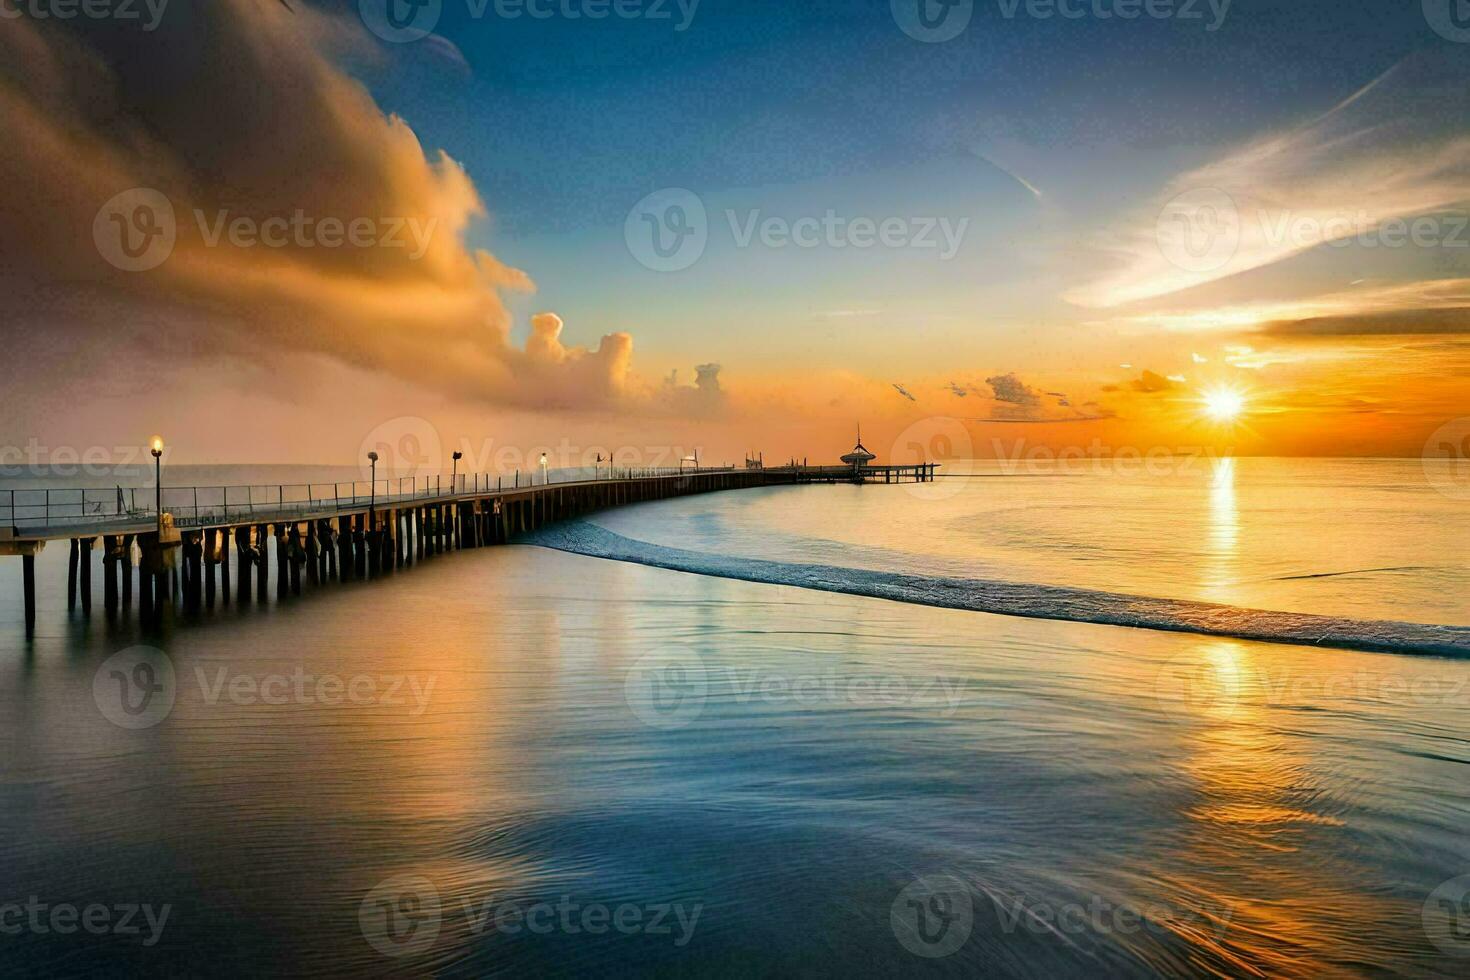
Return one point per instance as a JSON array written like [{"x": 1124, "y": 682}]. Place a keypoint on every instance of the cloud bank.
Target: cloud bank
[{"x": 305, "y": 221}]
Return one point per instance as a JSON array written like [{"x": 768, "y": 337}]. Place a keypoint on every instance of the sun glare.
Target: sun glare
[{"x": 1224, "y": 404}]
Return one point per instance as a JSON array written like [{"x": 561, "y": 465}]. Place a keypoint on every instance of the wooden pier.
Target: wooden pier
[{"x": 370, "y": 530}]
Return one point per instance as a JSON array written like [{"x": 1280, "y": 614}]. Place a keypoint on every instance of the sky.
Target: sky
[{"x": 730, "y": 226}]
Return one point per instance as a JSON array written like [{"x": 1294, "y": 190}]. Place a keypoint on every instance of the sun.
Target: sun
[{"x": 1223, "y": 404}]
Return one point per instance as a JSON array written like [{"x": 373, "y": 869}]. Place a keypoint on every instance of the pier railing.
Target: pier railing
[{"x": 201, "y": 505}]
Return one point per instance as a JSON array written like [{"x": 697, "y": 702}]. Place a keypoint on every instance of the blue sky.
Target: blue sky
[{"x": 565, "y": 124}]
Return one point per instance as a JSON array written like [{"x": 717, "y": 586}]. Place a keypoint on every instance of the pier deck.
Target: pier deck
[{"x": 178, "y": 536}]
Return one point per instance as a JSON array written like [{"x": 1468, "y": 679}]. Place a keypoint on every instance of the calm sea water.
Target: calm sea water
[{"x": 522, "y": 759}]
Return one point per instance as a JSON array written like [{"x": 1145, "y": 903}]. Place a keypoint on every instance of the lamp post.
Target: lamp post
[
  {"x": 543, "y": 469},
  {"x": 157, "y": 449},
  {"x": 454, "y": 471},
  {"x": 372, "y": 489}
]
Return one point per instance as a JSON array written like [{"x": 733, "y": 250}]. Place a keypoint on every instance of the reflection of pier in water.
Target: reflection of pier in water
[{"x": 369, "y": 530}]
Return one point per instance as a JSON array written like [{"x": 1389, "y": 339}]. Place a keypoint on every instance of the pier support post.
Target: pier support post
[
  {"x": 71, "y": 575},
  {"x": 329, "y": 550},
  {"x": 224, "y": 566},
  {"x": 193, "y": 565},
  {"x": 283, "y": 562},
  {"x": 344, "y": 549},
  {"x": 359, "y": 547},
  {"x": 152, "y": 579},
  {"x": 296, "y": 555},
  {"x": 262, "y": 562},
  {"x": 145, "y": 587},
  {"x": 86, "y": 582},
  {"x": 242, "y": 562},
  {"x": 313, "y": 554},
  {"x": 28, "y": 578},
  {"x": 388, "y": 542},
  {"x": 127, "y": 571},
  {"x": 211, "y": 559},
  {"x": 111, "y": 555}
]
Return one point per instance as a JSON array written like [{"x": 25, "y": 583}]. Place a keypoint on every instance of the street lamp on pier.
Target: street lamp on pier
[
  {"x": 454, "y": 471},
  {"x": 156, "y": 447},
  {"x": 372, "y": 490},
  {"x": 543, "y": 469}
]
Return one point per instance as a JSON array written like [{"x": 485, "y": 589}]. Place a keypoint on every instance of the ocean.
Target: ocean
[{"x": 1186, "y": 717}]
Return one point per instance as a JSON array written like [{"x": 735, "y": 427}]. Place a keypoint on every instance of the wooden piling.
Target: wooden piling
[
  {"x": 344, "y": 549},
  {"x": 359, "y": 547},
  {"x": 243, "y": 562},
  {"x": 193, "y": 546},
  {"x": 224, "y": 566},
  {"x": 146, "y": 581},
  {"x": 71, "y": 575},
  {"x": 111, "y": 555},
  {"x": 28, "y": 578},
  {"x": 328, "y": 559},
  {"x": 127, "y": 570},
  {"x": 211, "y": 559},
  {"x": 262, "y": 562},
  {"x": 86, "y": 577},
  {"x": 283, "y": 562},
  {"x": 313, "y": 553}
]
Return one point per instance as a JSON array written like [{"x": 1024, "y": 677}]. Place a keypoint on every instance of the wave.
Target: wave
[{"x": 1021, "y": 599}]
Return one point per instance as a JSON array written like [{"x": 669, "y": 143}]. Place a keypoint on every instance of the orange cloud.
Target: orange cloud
[{"x": 292, "y": 215}]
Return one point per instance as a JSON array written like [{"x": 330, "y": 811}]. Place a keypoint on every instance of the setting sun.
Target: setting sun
[{"x": 1224, "y": 404}]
